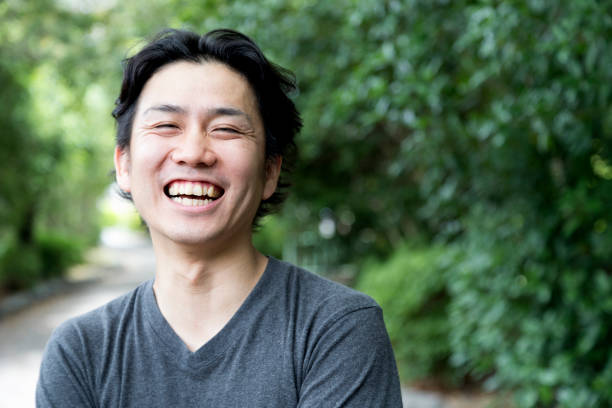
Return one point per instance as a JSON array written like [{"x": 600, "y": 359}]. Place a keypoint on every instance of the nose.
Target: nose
[{"x": 194, "y": 148}]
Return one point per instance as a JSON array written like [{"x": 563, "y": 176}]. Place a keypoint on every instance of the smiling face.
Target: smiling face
[{"x": 195, "y": 166}]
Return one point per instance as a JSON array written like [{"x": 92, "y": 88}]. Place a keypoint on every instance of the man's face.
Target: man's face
[{"x": 195, "y": 165}]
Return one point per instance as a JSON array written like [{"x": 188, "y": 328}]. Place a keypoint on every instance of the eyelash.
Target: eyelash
[{"x": 226, "y": 129}]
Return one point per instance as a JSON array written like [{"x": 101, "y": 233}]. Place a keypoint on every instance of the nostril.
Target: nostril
[
  {"x": 209, "y": 158},
  {"x": 200, "y": 156}
]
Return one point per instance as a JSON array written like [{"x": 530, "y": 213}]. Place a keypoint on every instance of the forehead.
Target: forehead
[{"x": 198, "y": 85}]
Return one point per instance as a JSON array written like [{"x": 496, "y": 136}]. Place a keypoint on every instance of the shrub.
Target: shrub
[
  {"x": 530, "y": 315},
  {"x": 20, "y": 266},
  {"x": 410, "y": 286},
  {"x": 58, "y": 253}
]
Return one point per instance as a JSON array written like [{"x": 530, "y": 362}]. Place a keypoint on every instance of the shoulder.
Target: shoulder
[
  {"x": 75, "y": 351},
  {"x": 318, "y": 305},
  {"x": 316, "y": 292},
  {"x": 87, "y": 330},
  {"x": 343, "y": 355}
]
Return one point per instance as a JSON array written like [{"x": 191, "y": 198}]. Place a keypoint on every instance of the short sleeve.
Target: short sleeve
[
  {"x": 63, "y": 379},
  {"x": 352, "y": 365}
]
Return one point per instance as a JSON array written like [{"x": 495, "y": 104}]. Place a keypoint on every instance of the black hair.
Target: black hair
[{"x": 271, "y": 85}]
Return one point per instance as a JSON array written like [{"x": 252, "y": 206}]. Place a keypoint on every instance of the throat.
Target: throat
[
  {"x": 196, "y": 317},
  {"x": 198, "y": 300}
]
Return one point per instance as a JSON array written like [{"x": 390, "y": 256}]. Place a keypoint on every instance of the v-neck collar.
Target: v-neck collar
[{"x": 218, "y": 345}]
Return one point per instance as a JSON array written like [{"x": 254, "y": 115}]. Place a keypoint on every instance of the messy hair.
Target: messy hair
[{"x": 271, "y": 85}]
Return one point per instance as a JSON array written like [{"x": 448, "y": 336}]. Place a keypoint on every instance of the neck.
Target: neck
[{"x": 198, "y": 291}]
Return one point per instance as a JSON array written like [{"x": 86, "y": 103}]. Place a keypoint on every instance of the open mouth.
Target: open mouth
[{"x": 192, "y": 193}]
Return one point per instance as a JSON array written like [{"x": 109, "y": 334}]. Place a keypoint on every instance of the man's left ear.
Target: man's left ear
[{"x": 273, "y": 167}]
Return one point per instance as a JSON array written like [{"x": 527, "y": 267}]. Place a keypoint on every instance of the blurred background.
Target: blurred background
[{"x": 455, "y": 164}]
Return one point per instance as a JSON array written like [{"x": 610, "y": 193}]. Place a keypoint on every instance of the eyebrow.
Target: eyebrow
[
  {"x": 227, "y": 111},
  {"x": 165, "y": 108},
  {"x": 223, "y": 111},
  {"x": 220, "y": 111}
]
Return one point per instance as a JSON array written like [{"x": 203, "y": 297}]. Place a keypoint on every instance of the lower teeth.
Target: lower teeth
[{"x": 191, "y": 202}]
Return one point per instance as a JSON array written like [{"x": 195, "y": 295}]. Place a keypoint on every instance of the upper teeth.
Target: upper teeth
[{"x": 193, "y": 188}]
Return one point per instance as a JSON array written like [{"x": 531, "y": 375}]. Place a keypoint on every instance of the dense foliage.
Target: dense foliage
[
  {"x": 51, "y": 173},
  {"x": 480, "y": 129}
]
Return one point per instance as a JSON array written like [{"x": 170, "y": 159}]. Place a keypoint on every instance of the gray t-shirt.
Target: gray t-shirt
[{"x": 298, "y": 340}]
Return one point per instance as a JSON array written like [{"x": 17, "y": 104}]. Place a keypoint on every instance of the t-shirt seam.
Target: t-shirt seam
[
  {"x": 345, "y": 310},
  {"x": 342, "y": 314}
]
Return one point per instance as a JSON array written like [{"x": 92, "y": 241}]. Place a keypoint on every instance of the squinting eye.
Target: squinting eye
[{"x": 225, "y": 133}]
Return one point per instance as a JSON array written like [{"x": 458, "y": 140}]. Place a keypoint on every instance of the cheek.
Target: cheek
[
  {"x": 146, "y": 158},
  {"x": 241, "y": 158},
  {"x": 148, "y": 153},
  {"x": 249, "y": 165}
]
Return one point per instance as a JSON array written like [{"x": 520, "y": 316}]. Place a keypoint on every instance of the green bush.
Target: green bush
[
  {"x": 530, "y": 317},
  {"x": 49, "y": 256},
  {"x": 57, "y": 253},
  {"x": 410, "y": 286},
  {"x": 20, "y": 266}
]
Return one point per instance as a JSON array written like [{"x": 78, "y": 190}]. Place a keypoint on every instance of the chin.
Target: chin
[
  {"x": 197, "y": 234},
  {"x": 183, "y": 235},
  {"x": 194, "y": 239}
]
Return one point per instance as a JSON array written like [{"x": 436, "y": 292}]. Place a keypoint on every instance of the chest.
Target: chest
[{"x": 254, "y": 371}]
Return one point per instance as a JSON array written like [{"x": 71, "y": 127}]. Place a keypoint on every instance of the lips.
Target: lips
[{"x": 192, "y": 193}]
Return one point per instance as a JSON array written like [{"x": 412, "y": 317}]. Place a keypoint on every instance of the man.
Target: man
[{"x": 204, "y": 132}]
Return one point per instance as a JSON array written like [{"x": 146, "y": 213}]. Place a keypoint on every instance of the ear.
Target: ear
[
  {"x": 122, "y": 169},
  {"x": 273, "y": 167}
]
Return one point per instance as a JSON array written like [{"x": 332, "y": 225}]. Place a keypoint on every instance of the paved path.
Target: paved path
[
  {"x": 113, "y": 272},
  {"x": 24, "y": 334}
]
